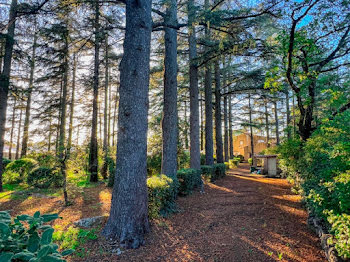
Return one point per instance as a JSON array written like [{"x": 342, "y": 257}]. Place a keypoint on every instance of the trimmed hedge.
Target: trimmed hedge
[
  {"x": 43, "y": 177},
  {"x": 233, "y": 163},
  {"x": 241, "y": 158},
  {"x": 189, "y": 179},
  {"x": 162, "y": 192},
  {"x": 208, "y": 172},
  {"x": 220, "y": 170}
]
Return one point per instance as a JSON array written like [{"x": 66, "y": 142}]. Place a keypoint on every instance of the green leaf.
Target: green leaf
[
  {"x": 37, "y": 214},
  {"x": 4, "y": 230},
  {"x": 67, "y": 252},
  {"x": 24, "y": 218},
  {"x": 46, "y": 237},
  {"x": 25, "y": 255},
  {"x": 51, "y": 258},
  {"x": 33, "y": 242},
  {"x": 5, "y": 217},
  {"x": 44, "y": 251},
  {"x": 6, "y": 257},
  {"x": 49, "y": 217}
]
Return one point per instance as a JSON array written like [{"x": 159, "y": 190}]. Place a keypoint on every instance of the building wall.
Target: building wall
[{"x": 241, "y": 144}]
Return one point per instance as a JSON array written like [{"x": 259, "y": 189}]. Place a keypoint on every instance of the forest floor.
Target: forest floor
[{"x": 242, "y": 217}]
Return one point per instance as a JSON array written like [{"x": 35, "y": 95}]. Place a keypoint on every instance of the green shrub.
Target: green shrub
[
  {"x": 162, "y": 192},
  {"x": 22, "y": 167},
  {"x": 11, "y": 178},
  {"x": 340, "y": 228},
  {"x": 5, "y": 162},
  {"x": 241, "y": 158},
  {"x": 44, "y": 159},
  {"x": 154, "y": 163},
  {"x": 202, "y": 159},
  {"x": 250, "y": 161},
  {"x": 208, "y": 172},
  {"x": 220, "y": 171},
  {"x": 111, "y": 170},
  {"x": 26, "y": 238},
  {"x": 183, "y": 159},
  {"x": 233, "y": 163},
  {"x": 43, "y": 177},
  {"x": 189, "y": 179}
]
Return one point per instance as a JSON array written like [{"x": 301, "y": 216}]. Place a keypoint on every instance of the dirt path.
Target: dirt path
[{"x": 241, "y": 218}]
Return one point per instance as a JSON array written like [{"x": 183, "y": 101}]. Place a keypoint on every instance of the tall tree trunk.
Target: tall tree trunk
[
  {"x": 288, "y": 115},
  {"x": 105, "y": 114},
  {"x": 251, "y": 129},
  {"x": 276, "y": 123},
  {"x": 230, "y": 126},
  {"x": 169, "y": 122},
  {"x": 59, "y": 120},
  {"x": 5, "y": 79},
  {"x": 62, "y": 138},
  {"x": 226, "y": 146},
  {"x": 218, "y": 122},
  {"x": 294, "y": 122},
  {"x": 93, "y": 156},
  {"x": 116, "y": 102},
  {"x": 19, "y": 132},
  {"x": 128, "y": 220},
  {"x": 109, "y": 110},
  {"x": 267, "y": 124},
  {"x": 12, "y": 126},
  {"x": 72, "y": 104},
  {"x": 50, "y": 133},
  {"x": 186, "y": 126},
  {"x": 195, "y": 155},
  {"x": 29, "y": 97},
  {"x": 202, "y": 122}
]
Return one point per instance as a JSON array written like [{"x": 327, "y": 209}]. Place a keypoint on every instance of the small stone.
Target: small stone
[{"x": 90, "y": 221}]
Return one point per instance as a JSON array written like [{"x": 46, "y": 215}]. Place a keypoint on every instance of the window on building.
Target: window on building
[{"x": 241, "y": 142}]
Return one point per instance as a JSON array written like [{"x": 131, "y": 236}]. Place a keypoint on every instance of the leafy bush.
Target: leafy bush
[
  {"x": 5, "y": 162},
  {"x": 189, "y": 179},
  {"x": 241, "y": 157},
  {"x": 340, "y": 227},
  {"x": 43, "y": 177},
  {"x": 220, "y": 171},
  {"x": 111, "y": 170},
  {"x": 162, "y": 192},
  {"x": 233, "y": 163},
  {"x": 154, "y": 163},
  {"x": 202, "y": 159},
  {"x": 183, "y": 159},
  {"x": 208, "y": 172},
  {"x": 44, "y": 159},
  {"x": 20, "y": 168},
  {"x": 26, "y": 238},
  {"x": 73, "y": 238},
  {"x": 11, "y": 178},
  {"x": 250, "y": 161}
]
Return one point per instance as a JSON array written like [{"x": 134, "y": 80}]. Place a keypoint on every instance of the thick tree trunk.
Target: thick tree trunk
[
  {"x": 5, "y": 79},
  {"x": 72, "y": 104},
  {"x": 29, "y": 98},
  {"x": 288, "y": 115},
  {"x": 251, "y": 129},
  {"x": 93, "y": 157},
  {"x": 169, "y": 122},
  {"x": 230, "y": 126},
  {"x": 109, "y": 110},
  {"x": 276, "y": 123},
  {"x": 63, "y": 109},
  {"x": 128, "y": 219},
  {"x": 218, "y": 122},
  {"x": 12, "y": 126},
  {"x": 267, "y": 124},
  {"x": 195, "y": 155},
  {"x": 105, "y": 114},
  {"x": 19, "y": 132}
]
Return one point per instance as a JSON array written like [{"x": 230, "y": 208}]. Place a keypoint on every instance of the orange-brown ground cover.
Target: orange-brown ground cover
[{"x": 241, "y": 217}]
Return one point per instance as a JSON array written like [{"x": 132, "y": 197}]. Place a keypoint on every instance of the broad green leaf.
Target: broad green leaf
[
  {"x": 25, "y": 255},
  {"x": 49, "y": 217},
  {"x": 46, "y": 237},
  {"x": 67, "y": 252},
  {"x": 6, "y": 257},
  {"x": 37, "y": 214},
  {"x": 5, "y": 217},
  {"x": 51, "y": 258},
  {"x": 24, "y": 218},
  {"x": 44, "y": 251},
  {"x": 33, "y": 242},
  {"x": 4, "y": 230}
]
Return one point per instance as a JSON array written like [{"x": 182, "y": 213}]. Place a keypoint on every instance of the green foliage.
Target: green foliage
[
  {"x": 189, "y": 179},
  {"x": 154, "y": 163},
  {"x": 220, "y": 171},
  {"x": 111, "y": 170},
  {"x": 183, "y": 159},
  {"x": 73, "y": 238},
  {"x": 44, "y": 159},
  {"x": 5, "y": 162},
  {"x": 27, "y": 238},
  {"x": 233, "y": 163},
  {"x": 208, "y": 172},
  {"x": 241, "y": 157},
  {"x": 17, "y": 171},
  {"x": 320, "y": 168},
  {"x": 162, "y": 192},
  {"x": 202, "y": 159},
  {"x": 250, "y": 161},
  {"x": 43, "y": 177}
]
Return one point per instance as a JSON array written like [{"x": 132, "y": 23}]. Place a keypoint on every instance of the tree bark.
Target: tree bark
[
  {"x": 116, "y": 102},
  {"x": 267, "y": 124},
  {"x": 251, "y": 129},
  {"x": 218, "y": 122},
  {"x": 72, "y": 104},
  {"x": 226, "y": 146},
  {"x": 289, "y": 135},
  {"x": 105, "y": 114},
  {"x": 19, "y": 133},
  {"x": 93, "y": 157},
  {"x": 12, "y": 126},
  {"x": 169, "y": 121},
  {"x": 128, "y": 219},
  {"x": 29, "y": 97},
  {"x": 186, "y": 123},
  {"x": 276, "y": 123},
  {"x": 5, "y": 79},
  {"x": 195, "y": 155},
  {"x": 230, "y": 126}
]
